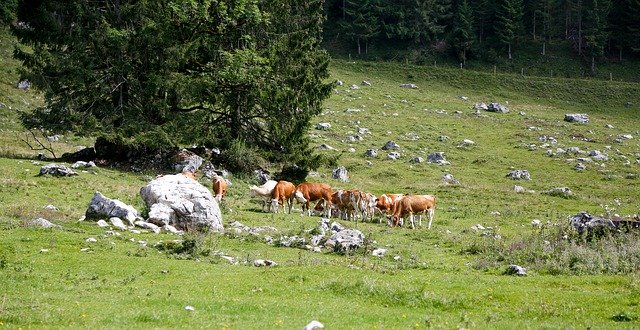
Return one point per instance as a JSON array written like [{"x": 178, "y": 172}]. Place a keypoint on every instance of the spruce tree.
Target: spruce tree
[
  {"x": 463, "y": 33},
  {"x": 509, "y": 27}
]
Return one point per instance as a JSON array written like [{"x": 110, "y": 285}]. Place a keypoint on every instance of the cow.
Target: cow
[
  {"x": 307, "y": 192},
  {"x": 219, "y": 187},
  {"x": 264, "y": 192},
  {"x": 282, "y": 194},
  {"x": 411, "y": 205},
  {"x": 384, "y": 203}
]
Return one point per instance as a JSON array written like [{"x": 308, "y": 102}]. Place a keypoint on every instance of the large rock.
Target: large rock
[
  {"x": 585, "y": 222},
  {"x": 519, "y": 175},
  {"x": 345, "y": 240},
  {"x": 497, "y": 107},
  {"x": 340, "y": 173},
  {"x": 56, "y": 170},
  {"x": 438, "y": 158},
  {"x": 187, "y": 203},
  {"x": 103, "y": 207},
  {"x": 576, "y": 118}
]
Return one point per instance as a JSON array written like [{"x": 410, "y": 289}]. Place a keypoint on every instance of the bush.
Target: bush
[{"x": 242, "y": 159}]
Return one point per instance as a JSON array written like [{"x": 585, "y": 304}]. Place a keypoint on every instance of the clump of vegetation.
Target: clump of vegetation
[
  {"x": 559, "y": 250},
  {"x": 192, "y": 247}
]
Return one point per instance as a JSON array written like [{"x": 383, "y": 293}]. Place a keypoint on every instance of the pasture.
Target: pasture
[{"x": 448, "y": 277}]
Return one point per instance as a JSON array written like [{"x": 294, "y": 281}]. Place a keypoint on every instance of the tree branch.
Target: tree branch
[{"x": 39, "y": 144}]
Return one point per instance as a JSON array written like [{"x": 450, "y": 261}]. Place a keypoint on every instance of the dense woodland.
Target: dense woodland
[{"x": 482, "y": 29}]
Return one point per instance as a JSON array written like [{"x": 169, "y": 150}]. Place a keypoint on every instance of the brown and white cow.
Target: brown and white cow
[
  {"x": 263, "y": 192},
  {"x": 219, "y": 187},
  {"x": 411, "y": 205},
  {"x": 384, "y": 203},
  {"x": 282, "y": 194},
  {"x": 308, "y": 192}
]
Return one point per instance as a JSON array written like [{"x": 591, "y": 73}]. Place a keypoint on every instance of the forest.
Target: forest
[{"x": 595, "y": 30}]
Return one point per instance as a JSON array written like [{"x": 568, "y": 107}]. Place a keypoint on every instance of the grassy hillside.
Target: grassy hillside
[{"x": 448, "y": 277}]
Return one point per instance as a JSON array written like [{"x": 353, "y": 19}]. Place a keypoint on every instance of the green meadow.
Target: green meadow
[{"x": 449, "y": 277}]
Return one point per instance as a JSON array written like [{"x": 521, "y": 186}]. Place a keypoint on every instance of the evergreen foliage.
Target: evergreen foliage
[{"x": 167, "y": 73}]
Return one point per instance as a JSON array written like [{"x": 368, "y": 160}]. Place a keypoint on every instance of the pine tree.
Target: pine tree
[
  {"x": 509, "y": 26},
  {"x": 463, "y": 33},
  {"x": 596, "y": 34},
  {"x": 157, "y": 74},
  {"x": 361, "y": 22}
]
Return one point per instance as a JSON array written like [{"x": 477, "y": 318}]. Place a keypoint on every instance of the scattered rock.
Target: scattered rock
[
  {"x": 91, "y": 240},
  {"x": 560, "y": 192},
  {"x": 390, "y": 145},
  {"x": 416, "y": 160},
  {"x": 264, "y": 263},
  {"x": 323, "y": 126},
  {"x": 413, "y": 86},
  {"x": 186, "y": 161},
  {"x": 51, "y": 208},
  {"x": 118, "y": 223},
  {"x": 580, "y": 167},
  {"x": 354, "y": 86},
  {"x": 339, "y": 83},
  {"x": 379, "y": 252},
  {"x": 497, "y": 107},
  {"x": 584, "y": 221},
  {"x": 101, "y": 206},
  {"x": 516, "y": 270},
  {"x": 313, "y": 325},
  {"x": 189, "y": 308},
  {"x": 393, "y": 156},
  {"x": 576, "y": 118},
  {"x": 480, "y": 106},
  {"x": 83, "y": 164},
  {"x": 24, "y": 85},
  {"x": 56, "y": 170},
  {"x": 519, "y": 175},
  {"x": 466, "y": 143},
  {"x": 366, "y": 83},
  {"x": 325, "y": 146},
  {"x": 448, "y": 179},
  {"x": 371, "y": 153},
  {"x": 438, "y": 158},
  {"x": 346, "y": 240},
  {"x": 42, "y": 222},
  {"x": 148, "y": 225},
  {"x": 340, "y": 173}
]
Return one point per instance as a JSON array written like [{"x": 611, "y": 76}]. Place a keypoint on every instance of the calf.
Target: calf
[
  {"x": 219, "y": 187},
  {"x": 384, "y": 203},
  {"x": 263, "y": 192},
  {"x": 282, "y": 194},
  {"x": 413, "y": 204},
  {"x": 307, "y": 192}
]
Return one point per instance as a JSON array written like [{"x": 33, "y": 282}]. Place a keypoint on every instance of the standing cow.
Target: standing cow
[
  {"x": 282, "y": 194},
  {"x": 308, "y": 192},
  {"x": 411, "y": 205}
]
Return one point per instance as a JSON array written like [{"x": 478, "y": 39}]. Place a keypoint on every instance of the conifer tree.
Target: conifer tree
[
  {"x": 509, "y": 26},
  {"x": 463, "y": 34}
]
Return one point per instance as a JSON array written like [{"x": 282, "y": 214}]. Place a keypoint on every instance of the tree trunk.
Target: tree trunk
[
  {"x": 593, "y": 65},
  {"x": 510, "y": 51},
  {"x": 358, "y": 42},
  {"x": 544, "y": 50}
]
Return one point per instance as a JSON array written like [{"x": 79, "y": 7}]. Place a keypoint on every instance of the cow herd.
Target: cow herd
[{"x": 351, "y": 204}]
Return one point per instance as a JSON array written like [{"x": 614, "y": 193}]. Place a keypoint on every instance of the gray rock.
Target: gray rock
[
  {"x": 466, "y": 143},
  {"x": 24, "y": 85},
  {"x": 576, "y": 118},
  {"x": 264, "y": 263},
  {"x": 102, "y": 224},
  {"x": 313, "y": 325},
  {"x": 147, "y": 225},
  {"x": 581, "y": 167},
  {"x": 519, "y": 175},
  {"x": 390, "y": 145},
  {"x": 438, "y": 158},
  {"x": 42, "y": 222},
  {"x": 118, "y": 223},
  {"x": 82, "y": 164},
  {"x": 379, "y": 252},
  {"x": 497, "y": 107},
  {"x": 480, "y": 106},
  {"x": 371, "y": 153},
  {"x": 393, "y": 155},
  {"x": 416, "y": 160},
  {"x": 366, "y": 83},
  {"x": 340, "y": 173},
  {"x": 560, "y": 192},
  {"x": 448, "y": 179},
  {"x": 185, "y": 160},
  {"x": 585, "y": 222},
  {"x": 412, "y": 86},
  {"x": 443, "y": 138},
  {"x": 362, "y": 131},
  {"x": 323, "y": 126},
  {"x": 103, "y": 207},
  {"x": 56, "y": 170},
  {"x": 339, "y": 83},
  {"x": 354, "y": 86},
  {"x": 325, "y": 146},
  {"x": 346, "y": 240},
  {"x": 516, "y": 270},
  {"x": 192, "y": 206}
]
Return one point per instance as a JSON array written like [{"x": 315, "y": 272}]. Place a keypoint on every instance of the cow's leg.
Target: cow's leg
[{"x": 431, "y": 213}]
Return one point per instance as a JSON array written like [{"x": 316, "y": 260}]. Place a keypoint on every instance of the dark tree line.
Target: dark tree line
[{"x": 594, "y": 28}]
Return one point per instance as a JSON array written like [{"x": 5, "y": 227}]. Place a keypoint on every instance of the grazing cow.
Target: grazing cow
[
  {"x": 219, "y": 187},
  {"x": 263, "y": 192},
  {"x": 307, "y": 192},
  {"x": 282, "y": 194},
  {"x": 411, "y": 205},
  {"x": 385, "y": 202}
]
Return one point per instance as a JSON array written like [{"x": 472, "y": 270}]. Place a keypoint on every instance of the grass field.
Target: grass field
[{"x": 448, "y": 277}]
